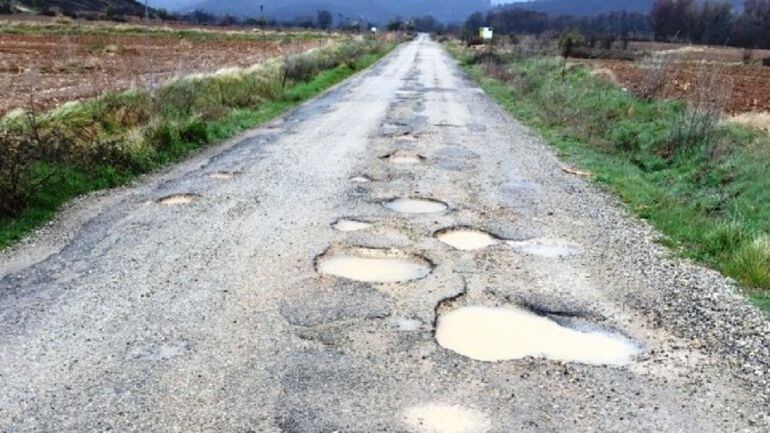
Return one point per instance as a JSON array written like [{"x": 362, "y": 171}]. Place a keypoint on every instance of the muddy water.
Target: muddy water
[
  {"x": 349, "y": 225},
  {"x": 404, "y": 157},
  {"x": 416, "y": 205},
  {"x": 466, "y": 239},
  {"x": 445, "y": 418},
  {"x": 374, "y": 266},
  {"x": 222, "y": 175},
  {"x": 177, "y": 199},
  {"x": 498, "y": 334}
]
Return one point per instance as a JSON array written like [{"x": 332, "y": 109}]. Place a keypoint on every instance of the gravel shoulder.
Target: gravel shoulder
[{"x": 130, "y": 315}]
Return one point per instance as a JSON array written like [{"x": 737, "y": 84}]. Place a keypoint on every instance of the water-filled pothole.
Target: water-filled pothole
[
  {"x": 465, "y": 238},
  {"x": 374, "y": 265},
  {"x": 222, "y": 175},
  {"x": 404, "y": 157},
  {"x": 544, "y": 247},
  {"x": 498, "y": 334},
  {"x": 350, "y": 225},
  {"x": 176, "y": 199},
  {"x": 360, "y": 179},
  {"x": 416, "y": 205},
  {"x": 445, "y": 418}
]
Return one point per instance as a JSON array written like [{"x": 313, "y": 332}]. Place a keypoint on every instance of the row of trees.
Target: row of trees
[
  {"x": 521, "y": 21},
  {"x": 712, "y": 22},
  {"x": 709, "y": 22}
]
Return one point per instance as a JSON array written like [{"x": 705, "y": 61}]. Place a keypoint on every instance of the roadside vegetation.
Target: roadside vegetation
[
  {"x": 702, "y": 182},
  {"x": 48, "y": 158}
]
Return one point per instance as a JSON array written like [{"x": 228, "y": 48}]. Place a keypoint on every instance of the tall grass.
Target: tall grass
[
  {"x": 48, "y": 158},
  {"x": 701, "y": 182}
]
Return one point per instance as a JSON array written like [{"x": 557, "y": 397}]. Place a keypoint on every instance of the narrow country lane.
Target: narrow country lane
[{"x": 398, "y": 255}]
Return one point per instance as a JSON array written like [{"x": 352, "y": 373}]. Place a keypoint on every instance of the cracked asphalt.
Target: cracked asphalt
[{"x": 129, "y": 315}]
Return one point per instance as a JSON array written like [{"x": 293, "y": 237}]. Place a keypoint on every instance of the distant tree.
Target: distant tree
[
  {"x": 325, "y": 19},
  {"x": 427, "y": 24},
  {"x": 395, "y": 24},
  {"x": 228, "y": 20},
  {"x": 472, "y": 24},
  {"x": 5, "y": 8}
]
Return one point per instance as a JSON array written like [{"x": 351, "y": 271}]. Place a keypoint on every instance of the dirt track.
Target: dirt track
[{"x": 210, "y": 314}]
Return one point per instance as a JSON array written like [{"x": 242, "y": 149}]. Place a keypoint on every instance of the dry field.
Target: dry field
[
  {"x": 55, "y": 66},
  {"x": 686, "y": 66}
]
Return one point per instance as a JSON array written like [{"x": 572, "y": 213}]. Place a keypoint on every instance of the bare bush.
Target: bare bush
[
  {"x": 656, "y": 70},
  {"x": 698, "y": 126},
  {"x": 24, "y": 149}
]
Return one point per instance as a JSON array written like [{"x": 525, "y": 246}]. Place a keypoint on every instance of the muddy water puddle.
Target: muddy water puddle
[
  {"x": 373, "y": 265},
  {"x": 543, "y": 247},
  {"x": 506, "y": 333},
  {"x": 445, "y": 418},
  {"x": 464, "y": 238},
  {"x": 416, "y": 205},
  {"x": 222, "y": 175},
  {"x": 350, "y": 225},
  {"x": 404, "y": 157},
  {"x": 176, "y": 199}
]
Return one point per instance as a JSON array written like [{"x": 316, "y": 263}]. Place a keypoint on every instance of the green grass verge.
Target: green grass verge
[
  {"x": 71, "y": 181},
  {"x": 712, "y": 201}
]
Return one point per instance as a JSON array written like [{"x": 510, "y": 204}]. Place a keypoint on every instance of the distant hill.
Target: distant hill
[
  {"x": 364, "y": 10},
  {"x": 121, "y": 7}
]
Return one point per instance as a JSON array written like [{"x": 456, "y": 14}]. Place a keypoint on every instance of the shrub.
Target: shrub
[
  {"x": 6, "y": 9},
  {"x": 24, "y": 149}
]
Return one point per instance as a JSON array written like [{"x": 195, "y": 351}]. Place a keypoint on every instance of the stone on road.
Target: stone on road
[{"x": 194, "y": 300}]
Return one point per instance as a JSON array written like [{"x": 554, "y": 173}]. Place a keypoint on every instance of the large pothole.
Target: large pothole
[
  {"x": 416, "y": 205},
  {"x": 445, "y": 418},
  {"x": 505, "y": 333},
  {"x": 373, "y": 265},
  {"x": 465, "y": 238},
  {"x": 350, "y": 225},
  {"x": 176, "y": 199}
]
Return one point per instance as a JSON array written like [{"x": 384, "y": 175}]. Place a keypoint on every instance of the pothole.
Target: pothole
[
  {"x": 374, "y": 265},
  {"x": 350, "y": 225},
  {"x": 416, "y": 205},
  {"x": 544, "y": 247},
  {"x": 445, "y": 418},
  {"x": 499, "y": 334},
  {"x": 404, "y": 157},
  {"x": 175, "y": 199},
  {"x": 465, "y": 238},
  {"x": 360, "y": 179},
  {"x": 222, "y": 175}
]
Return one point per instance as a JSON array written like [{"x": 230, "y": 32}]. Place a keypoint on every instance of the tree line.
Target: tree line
[{"x": 710, "y": 22}]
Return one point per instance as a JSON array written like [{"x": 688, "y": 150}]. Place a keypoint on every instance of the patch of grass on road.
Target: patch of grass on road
[
  {"x": 706, "y": 188},
  {"x": 108, "y": 141}
]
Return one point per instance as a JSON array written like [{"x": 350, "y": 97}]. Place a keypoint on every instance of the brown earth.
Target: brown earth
[
  {"x": 748, "y": 85},
  {"x": 52, "y": 69}
]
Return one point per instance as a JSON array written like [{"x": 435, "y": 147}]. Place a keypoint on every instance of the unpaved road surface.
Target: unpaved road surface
[{"x": 131, "y": 315}]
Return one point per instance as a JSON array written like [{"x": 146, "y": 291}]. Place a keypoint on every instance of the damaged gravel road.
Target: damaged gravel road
[{"x": 220, "y": 296}]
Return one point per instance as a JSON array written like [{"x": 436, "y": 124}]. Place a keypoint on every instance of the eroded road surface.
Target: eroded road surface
[{"x": 398, "y": 255}]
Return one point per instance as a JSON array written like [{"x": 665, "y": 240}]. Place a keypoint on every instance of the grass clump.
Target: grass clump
[
  {"x": 46, "y": 159},
  {"x": 701, "y": 182}
]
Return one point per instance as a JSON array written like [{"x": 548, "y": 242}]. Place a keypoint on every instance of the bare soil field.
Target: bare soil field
[
  {"x": 686, "y": 66},
  {"x": 54, "y": 68}
]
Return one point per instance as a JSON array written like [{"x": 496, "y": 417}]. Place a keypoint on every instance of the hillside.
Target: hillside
[
  {"x": 123, "y": 7},
  {"x": 371, "y": 10}
]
